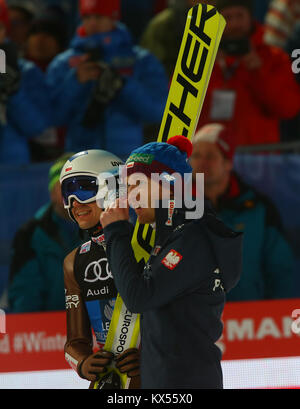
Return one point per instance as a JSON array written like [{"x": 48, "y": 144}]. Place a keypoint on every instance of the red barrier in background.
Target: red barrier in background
[
  {"x": 264, "y": 329},
  {"x": 33, "y": 342}
]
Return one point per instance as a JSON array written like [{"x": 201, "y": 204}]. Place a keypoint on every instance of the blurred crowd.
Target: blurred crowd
[{"x": 95, "y": 74}]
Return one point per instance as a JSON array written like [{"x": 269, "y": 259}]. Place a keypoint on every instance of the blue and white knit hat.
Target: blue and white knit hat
[{"x": 160, "y": 157}]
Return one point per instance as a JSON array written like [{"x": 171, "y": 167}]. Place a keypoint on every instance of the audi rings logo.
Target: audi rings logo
[{"x": 97, "y": 270}]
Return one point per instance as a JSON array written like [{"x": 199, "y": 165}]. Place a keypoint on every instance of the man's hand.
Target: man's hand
[
  {"x": 119, "y": 210},
  {"x": 129, "y": 362},
  {"x": 87, "y": 70},
  {"x": 95, "y": 364}
]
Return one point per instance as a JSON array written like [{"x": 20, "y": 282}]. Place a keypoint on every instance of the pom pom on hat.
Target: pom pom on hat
[{"x": 182, "y": 143}]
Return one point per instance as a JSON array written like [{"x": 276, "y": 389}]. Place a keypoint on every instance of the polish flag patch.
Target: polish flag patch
[
  {"x": 172, "y": 259},
  {"x": 99, "y": 239}
]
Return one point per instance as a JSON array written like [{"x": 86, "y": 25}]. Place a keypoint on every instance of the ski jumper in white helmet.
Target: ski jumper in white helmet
[
  {"x": 89, "y": 285},
  {"x": 83, "y": 176}
]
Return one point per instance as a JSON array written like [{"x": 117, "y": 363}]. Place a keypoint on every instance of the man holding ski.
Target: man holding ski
[{"x": 180, "y": 292}]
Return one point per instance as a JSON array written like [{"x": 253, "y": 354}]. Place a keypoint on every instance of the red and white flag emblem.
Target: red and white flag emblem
[{"x": 172, "y": 259}]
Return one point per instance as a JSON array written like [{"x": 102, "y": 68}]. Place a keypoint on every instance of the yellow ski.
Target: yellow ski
[{"x": 200, "y": 43}]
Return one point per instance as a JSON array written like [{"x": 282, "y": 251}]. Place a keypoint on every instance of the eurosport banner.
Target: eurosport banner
[{"x": 252, "y": 330}]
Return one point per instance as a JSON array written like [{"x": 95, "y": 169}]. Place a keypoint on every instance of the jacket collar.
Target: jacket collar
[
  {"x": 237, "y": 196},
  {"x": 94, "y": 232}
]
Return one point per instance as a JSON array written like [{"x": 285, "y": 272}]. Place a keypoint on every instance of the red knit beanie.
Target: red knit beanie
[
  {"x": 109, "y": 8},
  {"x": 4, "y": 16}
]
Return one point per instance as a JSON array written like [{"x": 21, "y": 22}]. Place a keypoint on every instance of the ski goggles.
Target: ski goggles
[
  {"x": 82, "y": 188},
  {"x": 85, "y": 189}
]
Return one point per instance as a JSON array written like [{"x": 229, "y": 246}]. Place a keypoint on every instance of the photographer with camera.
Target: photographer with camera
[
  {"x": 104, "y": 89},
  {"x": 252, "y": 87},
  {"x": 24, "y": 107}
]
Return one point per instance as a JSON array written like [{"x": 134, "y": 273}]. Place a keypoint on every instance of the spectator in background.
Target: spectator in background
[
  {"x": 46, "y": 39},
  {"x": 163, "y": 35},
  {"x": 267, "y": 257},
  {"x": 252, "y": 83},
  {"x": 21, "y": 14},
  {"x": 25, "y": 110},
  {"x": 39, "y": 249},
  {"x": 136, "y": 15},
  {"x": 290, "y": 129},
  {"x": 283, "y": 30},
  {"x": 103, "y": 88},
  {"x": 280, "y": 21},
  {"x": 66, "y": 10},
  {"x": 260, "y": 9}
]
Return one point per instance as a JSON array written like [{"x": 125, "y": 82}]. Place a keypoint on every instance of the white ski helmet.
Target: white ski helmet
[{"x": 85, "y": 174}]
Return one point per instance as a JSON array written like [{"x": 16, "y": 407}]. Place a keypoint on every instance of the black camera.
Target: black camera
[
  {"x": 235, "y": 46},
  {"x": 105, "y": 90}
]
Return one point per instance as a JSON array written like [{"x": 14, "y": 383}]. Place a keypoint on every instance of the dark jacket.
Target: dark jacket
[
  {"x": 267, "y": 257},
  {"x": 36, "y": 270},
  {"x": 180, "y": 294}
]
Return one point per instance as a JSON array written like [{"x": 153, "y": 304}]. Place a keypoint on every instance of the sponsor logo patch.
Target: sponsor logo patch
[
  {"x": 72, "y": 301},
  {"x": 171, "y": 208},
  {"x": 99, "y": 240},
  {"x": 144, "y": 158},
  {"x": 85, "y": 248},
  {"x": 172, "y": 259},
  {"x": 97, "y": 271}
]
